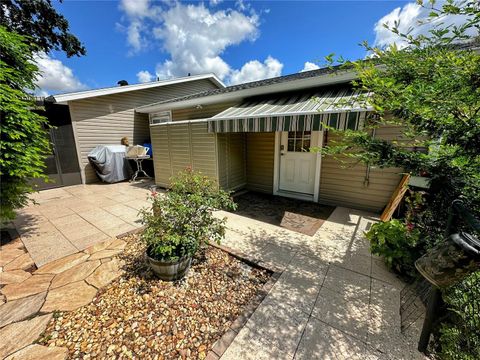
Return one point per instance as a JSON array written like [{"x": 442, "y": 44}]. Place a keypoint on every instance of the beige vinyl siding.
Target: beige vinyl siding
[
  {"x": 161, "y": 159},
  {"x": 346, "y": 185},
  {"x": 104, "y": 120},
  {"x": 178, "y": 146},
  {"x": 232, "y": 160},
  {"x": 203, "y": 150},
  {"x": 222, "y": 155},
  {"x": 260, "y": 159},
  {"x": 203, "y": 112}
]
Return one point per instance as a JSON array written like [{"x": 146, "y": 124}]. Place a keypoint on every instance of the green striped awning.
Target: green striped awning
[{"x": 337, "y": 108}]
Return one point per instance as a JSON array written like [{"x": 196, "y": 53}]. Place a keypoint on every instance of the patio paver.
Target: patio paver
[
  {"x": 70, "y": 219},
  {"x": 65, "y": 284},
  {"x": 21, "y": 334},
  {"x": 69, "y": 297},
  {"x": 33, "y": 285},
  {"x": 39, "y": 352},
  {"x": 339, "y": 298},
  {"x": 333, "y": 300},
  {"x": 20, "y": 309}
]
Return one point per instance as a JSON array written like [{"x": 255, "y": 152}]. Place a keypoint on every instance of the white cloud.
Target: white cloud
[
  {"x": 55, "y": 76},
  {"x": 137, "y": 13},
  {"x": 135, "y": 8},
  {"x": 134, "y": 36},
  {"x": 241, "y": 5},
  {"x": 144, "y": 76},
  {"x": 309, "y": 66},
  {"x": 408, "y": 18},
  {"x": 255, "y": 70},
  {"x": 195, "y": 38}
]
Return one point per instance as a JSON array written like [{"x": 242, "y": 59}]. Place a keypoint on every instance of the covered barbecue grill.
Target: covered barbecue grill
[{"x": 110, "y": 163}]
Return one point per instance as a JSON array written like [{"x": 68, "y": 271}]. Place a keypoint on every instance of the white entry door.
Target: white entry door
[{"x": 297, "y": 163}]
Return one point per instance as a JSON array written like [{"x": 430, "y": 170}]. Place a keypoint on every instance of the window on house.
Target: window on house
[
  {"x": 160, "y": 117},
  {"x": 299, "y": 141}
]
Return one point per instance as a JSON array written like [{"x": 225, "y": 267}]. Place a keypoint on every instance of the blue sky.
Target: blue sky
[{"x": 139, "y": 40}]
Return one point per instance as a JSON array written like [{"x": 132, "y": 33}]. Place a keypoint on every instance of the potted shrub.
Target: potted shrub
[{"x": 181, "y": 221}]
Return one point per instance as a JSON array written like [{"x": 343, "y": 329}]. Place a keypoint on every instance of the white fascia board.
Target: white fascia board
[
  {"x": 327, "y": 79},
  {"x": 173, "y": 123},
  {"x": 65, "y": 98}
]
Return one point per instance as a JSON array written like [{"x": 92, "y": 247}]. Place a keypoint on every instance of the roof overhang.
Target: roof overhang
[
  {"x": 65, "y": 98},
  {"x": 339, "y": 77}
]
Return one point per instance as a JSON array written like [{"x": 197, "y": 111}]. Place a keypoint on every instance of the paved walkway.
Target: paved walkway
[
  {"x": 70, "y": 219},
  {"x": 333, "y": 300}
]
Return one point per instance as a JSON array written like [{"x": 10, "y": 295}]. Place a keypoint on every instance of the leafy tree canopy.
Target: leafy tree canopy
[
  {"x": 41, "y": 24},
  {"x": 431, "y": 87},
  {"x": 24, "y": 141},
  {"x": 26, "y": 28}
]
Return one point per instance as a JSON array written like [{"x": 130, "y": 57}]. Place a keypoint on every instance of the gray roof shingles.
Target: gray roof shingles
[{"x": 254, "y": 84}]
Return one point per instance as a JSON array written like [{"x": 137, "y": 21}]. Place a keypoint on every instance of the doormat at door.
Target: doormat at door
[
  {"x": 301, "y": 216},
  {"x": 301, "y": 223}
]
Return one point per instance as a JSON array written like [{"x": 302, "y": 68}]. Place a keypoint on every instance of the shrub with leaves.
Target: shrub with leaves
[
  {"x": 24, "y": 140},
  {"x": 396, "y": 243},
  {"x": 431, "y": 88},
  {"x": 27, "y": 28},
  {"x": 460, "y": 334},
  {"x": 182, "y": 220}
]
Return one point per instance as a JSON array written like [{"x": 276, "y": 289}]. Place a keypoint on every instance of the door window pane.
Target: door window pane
[
  {"x": 298, "y": 145},
  {"x": 299, "y": 141},
  {"x": 307, "y": 135},
  {"x": 291, "y": 145},
  {"x": 306, "y": 145}
]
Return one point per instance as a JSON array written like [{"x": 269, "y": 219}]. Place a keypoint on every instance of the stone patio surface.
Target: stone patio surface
[
  {"x": 70, "y": 219},
  {"x": 62, "y": 285},
  {"x": 333, "y": 300}
]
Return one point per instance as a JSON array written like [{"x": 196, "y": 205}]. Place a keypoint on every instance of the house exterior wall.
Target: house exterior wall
[
  {"x": 206, "y": 111},
  {"x": 346, "y": 185},
  {"x": 260, "y": 159},
  {"x": 178, "y": 146},
  {"x": 106, "y": 119},
  {"x": 240, "y": 160},
  {"x": 232, "y": 160}
]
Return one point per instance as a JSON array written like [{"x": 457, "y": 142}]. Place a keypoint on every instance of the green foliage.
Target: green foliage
[
  {"x": 396, "y": 243},
  {"x": 27, "y": 27},
  {"x": 182, "y": 219},
  {"x": 460, "y": 336},
  {"x": 44, "y": 28},
  {"x": 431, "y": 88},
  {"x": 24, "y": 141}
]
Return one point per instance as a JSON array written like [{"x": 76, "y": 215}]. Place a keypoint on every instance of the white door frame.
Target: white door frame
[{"x": 276, "y": 170}]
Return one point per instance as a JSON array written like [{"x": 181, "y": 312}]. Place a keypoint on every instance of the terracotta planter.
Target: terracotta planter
[{"x": 169, "y": 270}]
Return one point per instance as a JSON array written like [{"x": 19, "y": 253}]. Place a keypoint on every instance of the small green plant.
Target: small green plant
[
  {"x": 182, "y": 220},
  {"x": 460, "y": 334},
  {"x": 397, "y": 243}
]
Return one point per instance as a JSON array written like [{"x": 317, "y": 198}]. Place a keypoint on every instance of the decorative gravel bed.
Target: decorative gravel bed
[{"x": 139, "y": 316}]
